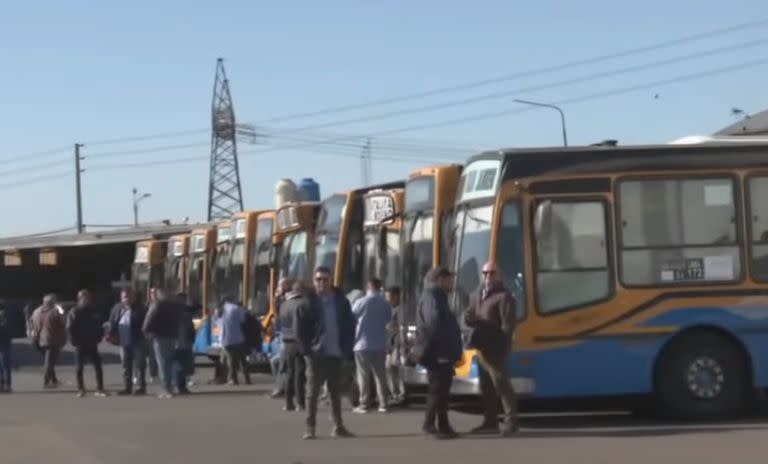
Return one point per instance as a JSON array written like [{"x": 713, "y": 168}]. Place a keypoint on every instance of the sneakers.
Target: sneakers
[
  {"x": 81, "y": 394},
  {"x": 360, "y": 410},
  {"x": 101, "y": 394},
  {"x": 309, "y": 434},
  {"x": 164, "y": 396},
  {"x": 341, "y": 432},
  {"x": 383, "y": 409}
]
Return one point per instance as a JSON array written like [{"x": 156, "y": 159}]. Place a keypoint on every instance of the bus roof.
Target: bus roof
[
  {"x": 524, "y": 162},
  {"x": 384, "y": 186}
]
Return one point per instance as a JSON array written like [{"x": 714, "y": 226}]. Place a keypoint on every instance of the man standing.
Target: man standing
[
  {"x": 49, "y": 334},
  {"x": 438, "y": 347},
  {"x": 277, "y": 362},
  {"x": 6, "y": 346},
  {"x": 394, "y": 347},
  {"x": 372, "y": 313},
  {"x": 325, "y": 333},
  {"x": 85, "y": 328},
  {"x": 492, "y": 319},
  {"x": 233, "y": 340},
  {"x": 162, "y": 326},
  {"x": 125, "y": 330},
  {"x": 184, "y": 356},
  {"x": 294, "y": 302}
]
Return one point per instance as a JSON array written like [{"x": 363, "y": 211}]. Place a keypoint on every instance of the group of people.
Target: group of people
[
  {"x": 164, "y": 330},
  {"x": 322, "y": 331}
]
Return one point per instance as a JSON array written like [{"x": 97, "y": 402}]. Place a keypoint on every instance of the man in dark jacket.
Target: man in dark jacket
[
  {"x": 6, "y": 347},
  {"x": 125, "y": 330},
  {"x": 85, "y": 330},
  {"x": 184, "y": 356},
  {"x": 162, "y": 326},
  {"x": 326, "y": 334},
  {"x": 439, "y": 349},
  {"x": 492, "y": 318},
  {"x": 294, "y": 302}
]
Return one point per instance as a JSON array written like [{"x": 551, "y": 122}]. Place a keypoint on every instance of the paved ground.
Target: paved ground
[{"x": 221, "y": 424}]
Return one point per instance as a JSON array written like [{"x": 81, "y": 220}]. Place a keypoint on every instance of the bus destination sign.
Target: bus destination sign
[{"x": 378, "y": 208}]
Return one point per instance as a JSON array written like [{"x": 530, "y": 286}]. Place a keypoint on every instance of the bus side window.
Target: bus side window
[
  {"x": 572, "y": 259},
  {"x": 758, "y": 238}
]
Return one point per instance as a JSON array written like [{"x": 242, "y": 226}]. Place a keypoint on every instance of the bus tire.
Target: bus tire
[{"x": 703, "y": 375}]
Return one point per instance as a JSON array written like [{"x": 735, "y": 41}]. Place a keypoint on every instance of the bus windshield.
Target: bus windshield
[
  {"x": 418, "y": 260},
  {"x": 196, "y": 274},
  {"x": 236, "y": 269},
  {"x": 386, "y": 268},
  {"x": 295, "y": 262},
  {"x": 222, "y": 278},
  {"x": 327, "y": 249},
  {"x": 329, "y": 230},
  {"x": 472, "y": 244},
  {"x": 173, "y": 275},
  {"x": 259, "y": 294}
]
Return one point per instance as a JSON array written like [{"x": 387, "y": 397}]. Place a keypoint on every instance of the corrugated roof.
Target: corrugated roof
[
  {"x": 133, "y": 234},
  {"x": 753, "y": 125}
]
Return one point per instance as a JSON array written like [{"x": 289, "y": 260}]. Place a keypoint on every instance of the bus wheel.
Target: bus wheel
[{"x": 702, "y": 375}]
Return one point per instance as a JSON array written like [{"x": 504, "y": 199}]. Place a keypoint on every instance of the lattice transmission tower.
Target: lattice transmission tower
[{"x": 225, "y": 194}]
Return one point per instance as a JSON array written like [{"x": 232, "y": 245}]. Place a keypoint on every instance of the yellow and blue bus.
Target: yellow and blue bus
[
  {"x": 148, "y": 268},
  {"x": 382, "y": 226},
  {"x": 202, "y": 248},
  {"x": 177, "y": 264},
  {"x": 638, "y": 270}
]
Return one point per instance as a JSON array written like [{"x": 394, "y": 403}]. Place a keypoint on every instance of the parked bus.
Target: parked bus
[
  {"x": 382, "y": 225},
  {"x": 148, "y": 266},
  {"x": 177, "y": 264},
  {"x": 430, "y": 195},
  {"x": 340, "y": 236},
  {"x": 250, "y": 259},
  {"x": 201, "y": 253},
  {"x": 293, "y": 250},
  {"x": 637, "y": 270},
  {"x": 224, "y": 282}
]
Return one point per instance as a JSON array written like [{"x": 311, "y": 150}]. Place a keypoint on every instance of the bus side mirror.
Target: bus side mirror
[
  {"x": 542, "y": 220},
  {"x": 273, "y": 257},
  {"x": 382, "y": 242}
]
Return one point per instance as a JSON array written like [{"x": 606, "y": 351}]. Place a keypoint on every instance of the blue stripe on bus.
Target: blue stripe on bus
[{"x": 620, "y": 365}]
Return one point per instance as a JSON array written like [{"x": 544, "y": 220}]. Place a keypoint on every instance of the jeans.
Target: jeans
[
  {"x": 183, "y": 366},
  {"x": 6, "y": 360},
  {"x": 321, "y": 369},
  {"x": 150, "y": 359},
  {"x": 164, "y": 350},
  {"x": 440, "y": 378},
  {"x": 395, "y": 376},
  {"x": 88, "y": 353},
  {"x": 235, "y": 361},
  {"x": 277, "y": 365},
  {"x": 495, "y": 384},
  {"x": 371, "y": 362},
  {"x": 51, "y": 355},
  {"x": 134, "y": 359},
  {"x": 295, "y": 376}
]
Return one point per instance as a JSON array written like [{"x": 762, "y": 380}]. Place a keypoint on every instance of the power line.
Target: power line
[
  {"x": 36, "y": 180},
  {"x": 506, "y": 93},
  {"x": 39, "y": 154},
  {"x": 523, "y": 74}
]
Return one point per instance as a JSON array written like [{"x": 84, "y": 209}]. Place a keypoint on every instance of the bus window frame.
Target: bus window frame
[
  {"x": 748, "y": 228},
  {"x": 609, "y": 246},
  {"x": 738, "y": 206},
  {"x": 498, "y": 219}
]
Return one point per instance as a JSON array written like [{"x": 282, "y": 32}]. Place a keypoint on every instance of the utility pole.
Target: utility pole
[
  {"x": 78, "y": 191},
  {"x": 136, "y": 200},
  {"x": 365, "y": 163}
]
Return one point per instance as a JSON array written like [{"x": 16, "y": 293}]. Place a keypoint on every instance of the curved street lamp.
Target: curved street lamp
[
  {"x": 554, "y": 107},
  {"x": 136, "y": 200}
]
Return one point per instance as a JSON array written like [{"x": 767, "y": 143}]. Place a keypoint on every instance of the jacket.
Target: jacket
[
  {"x": 49, "y": 327},
  {"x": 84, "y": 326},
  {"x": 372, "y": 313},
  {"x": 492, "y": 319},
  {"x": 310, "y": 328},
  {"x": 5, "y": 332},
  {"x": 288, "y": 314},
  {"x": 162, "y": 319},
  {"x": 138, "y": 313},
  {"x": 186, "y": 334},
  {"x": 437, "y": 330}
]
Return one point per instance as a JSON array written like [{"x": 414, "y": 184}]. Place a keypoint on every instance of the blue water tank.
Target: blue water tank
[{"x": 309, "y": 190}]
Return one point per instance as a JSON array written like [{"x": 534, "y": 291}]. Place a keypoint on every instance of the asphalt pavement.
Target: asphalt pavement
[{"x": 219, "y": 424}]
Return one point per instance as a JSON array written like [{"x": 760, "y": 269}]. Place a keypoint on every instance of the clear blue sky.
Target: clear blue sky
[{"x": 80, "y": 71}]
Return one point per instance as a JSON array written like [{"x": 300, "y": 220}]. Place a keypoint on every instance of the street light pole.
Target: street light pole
[
  {"x": 554, "y": 107},
  {"x": 136, "y": 200}
]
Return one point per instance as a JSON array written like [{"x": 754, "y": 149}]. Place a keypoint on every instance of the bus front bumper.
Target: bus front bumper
[{"x": 417, "y": 376}]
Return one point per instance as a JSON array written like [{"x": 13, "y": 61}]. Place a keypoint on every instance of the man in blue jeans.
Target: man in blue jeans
[{"x": 162, "y": 326}]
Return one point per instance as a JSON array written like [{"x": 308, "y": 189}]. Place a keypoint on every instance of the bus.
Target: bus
[
  {"x": 202, "y": 244},
  {"x": 148, "y": 267},
  {"x": 224, "y": 282},
  {"x": 430, "y": 194},
  {"x": 293, "y": 243},
  {"x": 339, "y": 236},
  {"x": 177, "y": 264},
  {"x": 382, "y": 225},
  {"x": 638, "y": 270},
  {"x": 250, "y": 259}
]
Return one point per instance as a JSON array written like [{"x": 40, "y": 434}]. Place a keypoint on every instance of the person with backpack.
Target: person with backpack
[{"x": 49, "y": 335}]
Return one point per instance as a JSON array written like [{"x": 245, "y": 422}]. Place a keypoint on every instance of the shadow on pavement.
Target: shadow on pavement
[{"x": 24, "y": 355}]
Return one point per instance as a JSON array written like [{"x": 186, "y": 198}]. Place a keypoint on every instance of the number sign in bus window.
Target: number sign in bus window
[
  {"x": 572, "y": 259},
  {"x": 758, "y": 211},
  {"x": 675, "y": 231}
]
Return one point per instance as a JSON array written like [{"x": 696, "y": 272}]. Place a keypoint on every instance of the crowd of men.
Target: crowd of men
[{"x": 322, "y": 333}]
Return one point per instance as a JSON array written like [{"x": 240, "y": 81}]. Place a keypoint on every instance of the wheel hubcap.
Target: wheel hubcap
[{"x": 705, "y": 378}]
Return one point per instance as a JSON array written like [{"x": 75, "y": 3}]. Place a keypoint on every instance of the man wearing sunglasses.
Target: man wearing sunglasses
[{"x": 492, "y": 319}]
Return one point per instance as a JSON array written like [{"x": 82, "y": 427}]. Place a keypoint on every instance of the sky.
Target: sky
[{"x": 133, "y": 82}]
